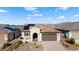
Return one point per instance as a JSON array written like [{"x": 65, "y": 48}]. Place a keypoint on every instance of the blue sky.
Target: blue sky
[{"x": 27, "y": 15}]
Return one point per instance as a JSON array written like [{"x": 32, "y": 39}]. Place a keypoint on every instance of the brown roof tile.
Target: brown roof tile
[{"x": 47, "y": 27}]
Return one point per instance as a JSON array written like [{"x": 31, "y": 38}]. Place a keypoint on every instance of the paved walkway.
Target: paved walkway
[{"x": 52, "y": 46}]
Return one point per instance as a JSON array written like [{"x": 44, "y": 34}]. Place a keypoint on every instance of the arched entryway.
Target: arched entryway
[{"x": 35, "y": 37}]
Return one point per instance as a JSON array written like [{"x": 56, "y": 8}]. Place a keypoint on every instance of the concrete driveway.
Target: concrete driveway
[{"x": 52, "y": 46}]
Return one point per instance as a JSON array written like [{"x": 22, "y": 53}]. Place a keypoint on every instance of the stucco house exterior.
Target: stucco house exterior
[
  {"x": 7, "y": 34},
  {"x": 70, "y": 33},
  {"x": 4, "y": 33},
  {"x": 40, "y": 32}
]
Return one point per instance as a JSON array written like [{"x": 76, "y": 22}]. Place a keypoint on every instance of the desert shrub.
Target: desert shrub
[
  {"x": 21, "y": 37},
  {"x": 72, "y": 40},
  {"x": 36, "y": 46},
  {"x": 17, "y": 44},
  {"x": 66, "y": 45},
  {"x": 26, "y": 41},
  {"x": 5, "y": 45}
]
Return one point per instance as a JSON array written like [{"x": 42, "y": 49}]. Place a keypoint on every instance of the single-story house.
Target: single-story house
[
  {"x": 40, "y": 32},
  {"x": 70, "y": 32},
  {"x": 8, "y": 35},
  {"x": 16, "y": 31},
  {"x": 5, "y": 35}
]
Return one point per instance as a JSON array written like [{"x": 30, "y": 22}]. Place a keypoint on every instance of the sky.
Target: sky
[{"x": 38, "y": 15}]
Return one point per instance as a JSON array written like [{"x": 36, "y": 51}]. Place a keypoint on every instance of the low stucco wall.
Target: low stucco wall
[
  {"x": 3, "y": 39},
  {"x": 77, "y": 42}
]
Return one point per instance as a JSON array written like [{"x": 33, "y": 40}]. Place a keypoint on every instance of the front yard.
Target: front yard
[
  {"x": 41, "y": 46},
  {"x": 27, "y": 46},
  {"x": 30, "y": 47},
  {"x": 11, "y": 46},
  {"x": 68, "y": 46}
]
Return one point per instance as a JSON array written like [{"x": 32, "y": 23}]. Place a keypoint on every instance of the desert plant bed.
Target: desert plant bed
[{"x": 68, "y": 46}]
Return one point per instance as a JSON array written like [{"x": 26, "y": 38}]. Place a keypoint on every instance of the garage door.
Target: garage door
[{"x": 49, "y": 36}]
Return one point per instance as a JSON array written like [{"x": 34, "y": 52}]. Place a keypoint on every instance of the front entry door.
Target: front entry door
[{"x": 35, "y": 37}]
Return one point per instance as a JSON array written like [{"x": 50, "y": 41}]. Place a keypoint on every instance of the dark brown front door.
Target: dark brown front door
[{"x": 35, "y": 37}]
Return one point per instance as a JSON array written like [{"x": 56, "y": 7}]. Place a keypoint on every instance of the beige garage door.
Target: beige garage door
[{"x": 49, "y": 36}]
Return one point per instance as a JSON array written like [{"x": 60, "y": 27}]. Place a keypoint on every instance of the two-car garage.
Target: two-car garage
[
  {"x": 48, "y": 32},
  {"x": 49, "y": 36}
]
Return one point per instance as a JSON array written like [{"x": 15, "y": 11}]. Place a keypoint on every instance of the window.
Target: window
[{"x": 26, "y": 33}]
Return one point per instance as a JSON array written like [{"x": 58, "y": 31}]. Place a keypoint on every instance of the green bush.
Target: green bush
[
  {"x": 5, "y": 45},
  {"x": 17, "y": 44}
]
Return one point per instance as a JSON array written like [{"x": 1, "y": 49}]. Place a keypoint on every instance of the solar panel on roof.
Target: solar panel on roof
[
  {"x": 26, "y": 28},
  {"x": 12, "y": 29}
]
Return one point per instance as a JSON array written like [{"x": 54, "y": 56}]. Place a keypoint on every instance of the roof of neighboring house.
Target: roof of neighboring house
[
  {"x": 12, "y": 28},
  {"x": 3, "y": 30},
  {"x": 47, "y": 27}
]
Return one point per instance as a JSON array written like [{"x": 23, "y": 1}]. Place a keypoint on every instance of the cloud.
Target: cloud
[
  {"x": 30, "y": 8},
  {"x": 63, "y": 8},
  {"x": 20, "y": 20},
  {"x": 6, "y": 19},
  {"x": 36, "y": 14},
  {"x": 3, "y": 11},
  {"x": 28, "y": 18},
  {"x": 77, "y": 15},
  {"x": 61, "y": 17}
]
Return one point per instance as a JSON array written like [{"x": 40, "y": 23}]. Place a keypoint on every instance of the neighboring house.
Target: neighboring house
[
  {"x": 5, "y": 35},
  {"x": 64, "y": 33},
  {"x": 70, "y": 33},
  {"x": 40, "y": 32},
  {"x": 8, "y": 35},
  {"x": 16, "y": 31}
]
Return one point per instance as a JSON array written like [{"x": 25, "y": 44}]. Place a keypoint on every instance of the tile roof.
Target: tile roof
[
  {"x": 12, "y": 28},
  {"x": 43, "y": 27},
  {"x": 3, "y": 30},
  {"x": 47, "y": 27}
]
